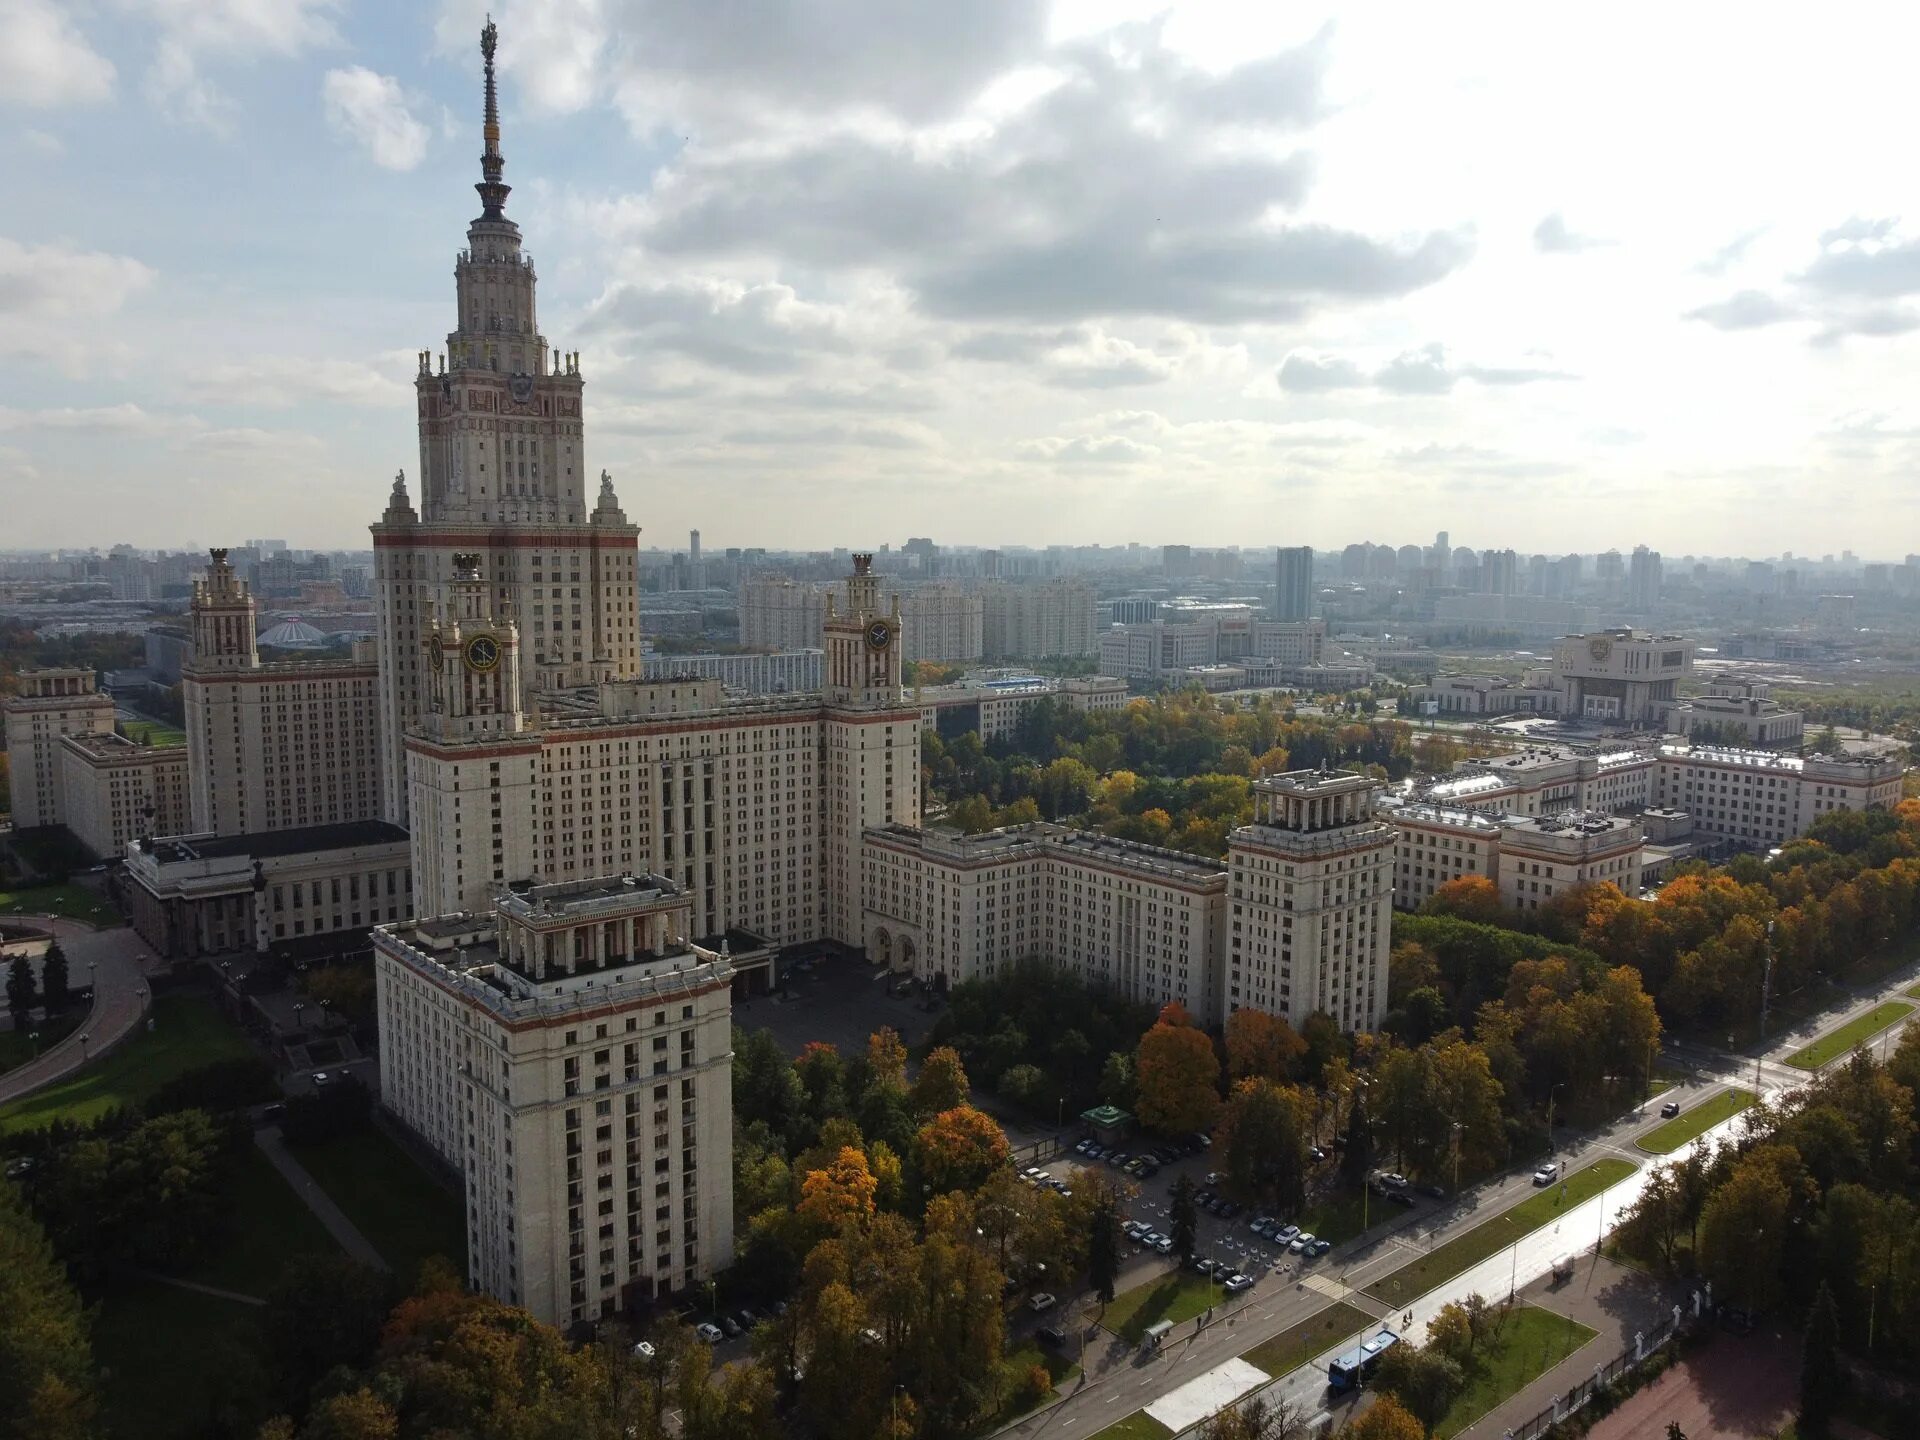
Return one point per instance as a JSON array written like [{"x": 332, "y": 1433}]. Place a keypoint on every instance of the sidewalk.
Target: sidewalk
[
  {"x": 115, "y": 963},
  {"x": 274, "y": 1146},
  {"x": 1611, "y": 1300}
]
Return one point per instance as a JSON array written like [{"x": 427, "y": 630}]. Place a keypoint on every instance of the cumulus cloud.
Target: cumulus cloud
[
  {"x": 193, "y": 33},
  {"x": 53, "y": 299},
  {"x": 754, "y": 329},
  {"x": 1552, "y": 236},
  {"x": 1865, "y": 259},
  {"x": 1743, "y": 310},
  {"x": 1428, "y": 370},
  {"x": 1086, "y": 450},
  {"x": 282, "y": 381},
  {"x": 47, "y": 62},
  {"x": 373, "y": 111}
]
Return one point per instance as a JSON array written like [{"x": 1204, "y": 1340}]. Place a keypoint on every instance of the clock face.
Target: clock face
[
  {"x": 879, "y": 634},
  {"x": 1599, "y": 647},
  {"x": 433, "y": 653},
  {"x": 521, "y": 388},
  {"x": 483, "y": 652}
]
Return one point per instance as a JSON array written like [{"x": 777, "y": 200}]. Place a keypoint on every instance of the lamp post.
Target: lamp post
[
  {"x": 1552, "y": 1095},
  {"x": 1766, "y": 994},
  {"x": 84, "y": 1037}
]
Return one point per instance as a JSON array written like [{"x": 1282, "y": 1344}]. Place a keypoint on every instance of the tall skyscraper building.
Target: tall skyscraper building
[
  {"x": 503, "y": 474},
  {"x": 1293, "y": 583},
  {"x": 1643, "y": 579}
]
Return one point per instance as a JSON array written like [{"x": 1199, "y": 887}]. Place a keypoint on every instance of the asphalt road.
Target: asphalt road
[
  {"x": 115, "y": 963},
  {"x": 1116, "y": 1384}
]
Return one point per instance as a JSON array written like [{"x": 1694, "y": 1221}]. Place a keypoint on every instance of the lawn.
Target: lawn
[
  {"x": 1013, "y": 1369},
  {"x": 188, "y": 1032},
  {"x": 1137, "y": 1426},
  {"x": 74, "y": 902},
  {"x": 1839, "y": 1042},
  {"x": 1490, "y": 1237},
  {"x": 404, "y": 1213},
  {"x": 1530, "y": 1343},
  {"x": 1914, "y": 991},
  {"x": 17, "y": 1049},
  {"x": 1665, "y": 1138},
  {"x": 167, "y": 1355},
  {"x": 270, "y": 1225},
  {"x": 1320, "y": 1332},
  {"x": 152, "y": 732},
  {"x": 1179, "y": 1295}
]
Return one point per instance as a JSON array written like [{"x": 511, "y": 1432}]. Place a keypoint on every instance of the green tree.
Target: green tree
[
  {"x": 46, "y": 1366},
  {"x": 1423, "y": 1379},
  {"x": 53, "y": 977},
  {"x": 1183, "y": 1217},
  {"x": 1385, "y": 1419},
  {"x": 1743, "y": 1232},
  {"x": 1103, "y": 1250},
  {"x": 323, "y": 1311},
  {"x": 1822, "y": 1381},
  {"x": 1262, "y": 1141},
  {"x": 941, "y": 1084},
  {"x": 1117, "y": 1080},
  {"x": 20, "y": 990}
]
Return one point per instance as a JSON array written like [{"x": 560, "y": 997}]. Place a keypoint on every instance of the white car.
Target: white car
[
  {"x": 1237, "y": 1282},
  {"x": 709, "y": 1332},
  {"x": 1300, "y": 1242},
  {"x": 321, "y": 1078},
  {"x": 1032, "y": 1174},
  {"x": 1547, "y": 1173},
  {"x": 1042, "y": 1303},
  {"x": 643, "y": 1350}
]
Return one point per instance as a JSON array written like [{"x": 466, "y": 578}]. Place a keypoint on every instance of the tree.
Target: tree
[
  {"x": 942, "y": 1082},
  {"x": 1257, "y": 1419},
  {"x": 1117, "y": 1080},
  {"x": 1743, "y": 1232},
  {"x": 1183, "y": 1217},
  {"x": 53, "y": 977},
  {"x": 44, "y": 1356},
  {"x": 1261, "y": 1044},
  {"x": 958, "y": 1148},
  {"x": 1263, "y": 1142},
  {"x": 323, "y": 1311},
  {"x": 1674, "y": 1432},
  {"x": 839, "y": 1194},
  {"x": 1178, "y": 1076},
  {"x": 1469, "y": 897},
  {"x": 1385, "y": 1419},
  {"x": 1422, "y": 1379},
  {"x": 356, "y": 1415},
  {"x": 20, "y": 990},
  {"x": 1821, "y": 1378},
  {"x": 1103, "y": 1250},
  {"x": 887, "y": 1056}
]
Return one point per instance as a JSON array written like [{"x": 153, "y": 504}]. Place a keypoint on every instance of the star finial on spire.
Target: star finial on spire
[{"x": 493, "y": 191}]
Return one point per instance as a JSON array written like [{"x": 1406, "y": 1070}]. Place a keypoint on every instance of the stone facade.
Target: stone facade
[
  {"x": 116, "y": 791},
  {"x": 51, "y": 705}
]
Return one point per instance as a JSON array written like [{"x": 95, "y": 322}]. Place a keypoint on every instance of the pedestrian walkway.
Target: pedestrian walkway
[
  {"x": 274, "y": 1146},
  {"x": 199, "y": 1289}
]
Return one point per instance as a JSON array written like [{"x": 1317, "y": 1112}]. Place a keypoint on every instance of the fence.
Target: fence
[{"x": 1565, "y": 1405}]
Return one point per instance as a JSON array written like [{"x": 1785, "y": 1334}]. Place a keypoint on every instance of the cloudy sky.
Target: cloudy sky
[{"x": 853, "y": 270}]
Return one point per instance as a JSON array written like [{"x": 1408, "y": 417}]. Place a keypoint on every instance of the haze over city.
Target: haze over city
[{"x": 993, "y": 272}]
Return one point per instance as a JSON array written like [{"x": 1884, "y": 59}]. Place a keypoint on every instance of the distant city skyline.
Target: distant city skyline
[{"x": 1014, "y": 273}]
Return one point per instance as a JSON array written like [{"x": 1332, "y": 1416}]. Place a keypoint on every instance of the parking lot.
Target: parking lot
[{"x": 837, "y": 998}]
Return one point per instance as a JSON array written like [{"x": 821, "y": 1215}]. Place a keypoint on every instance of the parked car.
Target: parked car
[
  {"x": 1284, "y": 1235},
  {"x": 1081, "y": 1147},
  {"x": 1134, "y": 1230},
  {"x": 1670, "y": 1109},
  {"x": 1402, "y": 1199},
  {"x": 1316, "y": 1154},
  {"x": 1300, "y": 1242},
  {"x": 321, "y": 1079},
  {"x": 1096, "y": 1152},
  {"x": 1436, "y": 1191},
  {"x": 1147, "y": 1171},
  {"x": 1547, "y": 1173},
  {"x": 1042, "y": 1302},
  {"x": 1203, "y": 1198},
  {"x": 1228, "y": 1209},
  {"x": 1214, "y": 1177},
  {"x": 1203, "y": 1140},
  {"x": 1393, "y": 1180},
  {"x": 1200, "y": 1265},
  {"x": 1318, "y": 1248},
  {"x": 643, "y": 1350},
  {"x": 1118, "y": 1158},
  {"x": 730, "y": 1326},
  {"x": 1032, "y": 1174},
  {"x": 1052, "y": 1335},
  {"x": 746, "y": 1318},
  {"x": 708, "y": 1332},
  {"x": 1164, "y": 1245},
  {"x": 1236, "y": 1282}
]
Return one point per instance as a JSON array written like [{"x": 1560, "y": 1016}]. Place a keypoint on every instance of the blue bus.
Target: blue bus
[{"x": 1351, "y": 1370}]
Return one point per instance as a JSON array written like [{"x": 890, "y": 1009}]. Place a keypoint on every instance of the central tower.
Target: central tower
[{"x": 503, "y": 475}]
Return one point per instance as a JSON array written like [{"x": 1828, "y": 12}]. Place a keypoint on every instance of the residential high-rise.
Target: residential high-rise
[
  {"x": 1309, "y": 900},
  {"x": 1643, "y": 579},
  {"x": 781, "y": 614},
  {"x": 1293, "y": 583}
]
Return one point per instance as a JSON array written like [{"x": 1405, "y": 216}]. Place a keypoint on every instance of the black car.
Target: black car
[
  {"x": 1203, "y": 1198},
  {"x": 1228, "y": 1209},
  {"x": 1437, "y": 1192},
  {"x": 1401, "y": 1198},
  {"x": 1670, "y": 1109},
  {"x": 1147, "y": 1171},
  {"x": 1052, "y": 1336}
]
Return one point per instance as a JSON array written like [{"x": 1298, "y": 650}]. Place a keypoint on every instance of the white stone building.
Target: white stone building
[
  {"x": 1737, "y": 712},
  {"x": 942, "y": 622},
  {"x": 52, "y": 704},
  {"x": 785, "y": 672},
  {"x": 1623, "y": 678},
  {"x": 570, "y": 1053},
  {"x": 115, "y": 791},
  {"x": 1542, "y": 855},
  {"x": 1310, "y": 888},
  {"x": 781, "y": 614}
]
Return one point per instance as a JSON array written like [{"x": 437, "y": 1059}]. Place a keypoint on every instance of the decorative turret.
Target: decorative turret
[
  {"x": 223, "y": 619},
  {"x": 493, "y": 190},
  {"x": 607, "y": 510}
]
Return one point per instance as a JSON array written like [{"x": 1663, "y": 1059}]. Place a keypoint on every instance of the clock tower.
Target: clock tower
[
  {"x": 473, "y": 662},
  {"x": 870, "y": 741}
]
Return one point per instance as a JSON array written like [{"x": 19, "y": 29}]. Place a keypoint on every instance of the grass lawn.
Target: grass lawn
[
  {"x": 74, "y": 902},
  {"x": 1317, "y": 1334},
  {"x": 270, "y": 1225},
  {"x": 404, "y": 1213},
  {"x": 1531, "y": 1343},
  {"x": 1179, "y": 1295},
  {"x": 152, "y": 732},
  {"x": 17, "y": 1049},
  {"x": 188, "y": 1032},
  {"x": 1137, "y": 1426},
  {"x": 165, "y": 1355},
  {"x": 1490, "y": 1237},
  {"x": 1336, "y": 1217},
  {"x": 1829, "y": 1047},
  {"x": 1914, "y": 990},
  {"x": 1669, "y": 1136},
  {"x": 1014, "y": 1366}
]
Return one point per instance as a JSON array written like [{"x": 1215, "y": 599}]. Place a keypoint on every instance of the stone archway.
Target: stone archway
[
  {"x": 907, "y": 954},
  {"x": 882, "y": 948}
]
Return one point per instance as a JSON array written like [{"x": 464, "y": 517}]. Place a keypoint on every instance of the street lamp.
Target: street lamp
[
  {"x": 1552, "y": 1095},
  {"x": 84, "y": 1037}
]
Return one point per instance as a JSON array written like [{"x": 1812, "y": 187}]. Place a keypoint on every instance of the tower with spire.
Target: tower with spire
[{"x": 503, "y": 475}]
